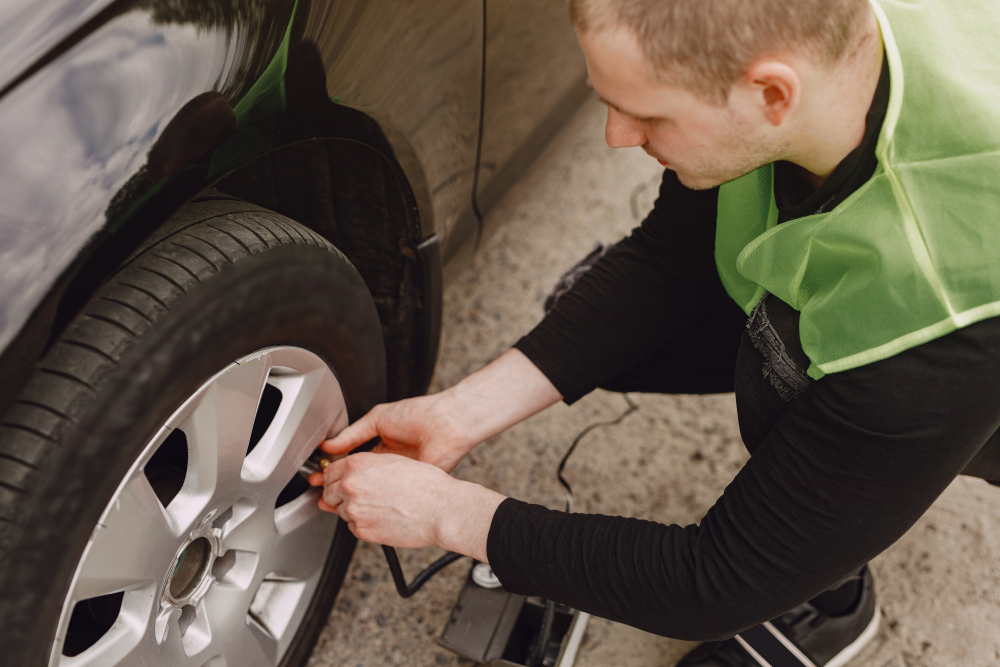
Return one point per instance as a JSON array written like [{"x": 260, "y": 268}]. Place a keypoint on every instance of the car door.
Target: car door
[
  {"x": 414, "y": 66},
  {"x": 535, "y": 78}
]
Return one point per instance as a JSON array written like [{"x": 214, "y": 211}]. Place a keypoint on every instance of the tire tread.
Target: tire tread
[
  {"x": 128, "y": 306},
  {"x": 159, "y": 273},
  {"x": 67, "y": 376},
  {"x": 245, "y": 243},
  {"x": 194, "y": 240},
  {"x": 185, "y": 269},
  {"x": 248, "y": 226},
  {"x": 27, "y": 429},
  {"x": 11, "y": 458},
  {"x": 112, "y": 321}
]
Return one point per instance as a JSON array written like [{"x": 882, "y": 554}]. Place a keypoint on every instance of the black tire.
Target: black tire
[{"x": 225, "y": 279}]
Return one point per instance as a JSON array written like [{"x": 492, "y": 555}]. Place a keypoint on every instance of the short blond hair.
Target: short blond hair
[{"x": 706, "y": 45}]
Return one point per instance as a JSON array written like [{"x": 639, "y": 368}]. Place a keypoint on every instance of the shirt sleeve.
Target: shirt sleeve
[
  {"x": 849, "y": 467},
  {"x": 657, "y": 279}
]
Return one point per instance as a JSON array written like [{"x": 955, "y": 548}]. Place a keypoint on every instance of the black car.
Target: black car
[{"x": 224, "y": 230}]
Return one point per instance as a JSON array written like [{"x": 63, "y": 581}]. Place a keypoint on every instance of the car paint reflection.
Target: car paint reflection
[
  {"x": 29, "y": 28},
  {"x": 75, "y": 136}
]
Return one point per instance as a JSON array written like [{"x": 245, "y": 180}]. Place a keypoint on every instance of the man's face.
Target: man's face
[{"x": 705, "y": 144}]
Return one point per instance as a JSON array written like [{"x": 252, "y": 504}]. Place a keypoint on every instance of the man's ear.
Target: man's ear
[{"x": 775, "y": 88}]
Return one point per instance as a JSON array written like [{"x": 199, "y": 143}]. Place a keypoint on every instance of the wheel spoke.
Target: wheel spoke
[
  {"x": 309, "y": 411},
  {"x": 131, "y": 546},
  {"x": 168, "y": 641},
  {"x": 304, "y": 534},
  {"x": 250, "y": 645},
  {"x": 227, "y": 605},
  {"x": 218, "y": 433},
  {"x": 251, "y": 528}
]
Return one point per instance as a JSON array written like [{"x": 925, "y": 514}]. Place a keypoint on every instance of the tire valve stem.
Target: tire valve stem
[{"x": 317, "y": 462}]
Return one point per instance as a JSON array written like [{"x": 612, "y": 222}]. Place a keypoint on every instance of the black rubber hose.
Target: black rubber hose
[{"x": 406, "y": 590}]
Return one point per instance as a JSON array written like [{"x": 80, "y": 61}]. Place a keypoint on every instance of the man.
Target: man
[{"x": 832, "y": 174}]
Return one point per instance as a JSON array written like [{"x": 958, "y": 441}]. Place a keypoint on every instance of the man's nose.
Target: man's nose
[{"x": 623, "y": 131}]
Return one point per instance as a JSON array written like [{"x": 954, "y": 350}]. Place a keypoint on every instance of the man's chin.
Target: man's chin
[
  {"x": 709, "y": 181},
  {"x": 698, "y": 182}
]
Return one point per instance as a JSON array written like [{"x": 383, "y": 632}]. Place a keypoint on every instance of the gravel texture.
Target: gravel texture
[{"x": 938, "y": 587}]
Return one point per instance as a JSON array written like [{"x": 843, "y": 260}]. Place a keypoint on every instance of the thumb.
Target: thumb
[{"x": 351, "y": 437}]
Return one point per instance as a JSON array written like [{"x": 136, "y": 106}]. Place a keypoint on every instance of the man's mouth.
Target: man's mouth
[{"x": 663, "y": 163}]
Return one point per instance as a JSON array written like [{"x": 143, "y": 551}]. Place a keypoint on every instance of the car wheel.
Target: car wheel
[{"x": 152, "y": 508}]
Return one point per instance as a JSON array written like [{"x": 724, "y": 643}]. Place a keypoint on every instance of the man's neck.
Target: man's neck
[{"x": 836, "y": 124}]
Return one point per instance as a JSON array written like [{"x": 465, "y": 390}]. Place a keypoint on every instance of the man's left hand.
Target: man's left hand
[{"x": 396, "y": 501}]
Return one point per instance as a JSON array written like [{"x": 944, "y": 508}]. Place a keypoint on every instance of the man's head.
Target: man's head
[{"x": 717, "y": 88}]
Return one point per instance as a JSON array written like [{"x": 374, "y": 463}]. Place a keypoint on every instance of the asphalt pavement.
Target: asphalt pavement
[{"x": 938, "y": 587}]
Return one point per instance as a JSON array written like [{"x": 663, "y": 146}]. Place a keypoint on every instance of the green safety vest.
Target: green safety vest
[{"x": 914, "y": 253}]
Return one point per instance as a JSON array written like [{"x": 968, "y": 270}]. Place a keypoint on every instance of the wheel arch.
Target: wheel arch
[
  {"x": 360, "y": 200},
  {"x": 356, "y": 197}
]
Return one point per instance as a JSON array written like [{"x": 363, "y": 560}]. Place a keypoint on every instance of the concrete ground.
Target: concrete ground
[{"x": 938, "y": 587}]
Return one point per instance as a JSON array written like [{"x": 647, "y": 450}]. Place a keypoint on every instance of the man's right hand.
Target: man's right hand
[
  {"x": 442, "y": 428},
  {"x": 421, "y": 428}
]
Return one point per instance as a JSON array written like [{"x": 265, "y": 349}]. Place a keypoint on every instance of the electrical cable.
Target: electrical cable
[
  {"x": 632, "y": 407},
  {"x": 479, "y": 140},
  {"x": 550, "y": 607}
]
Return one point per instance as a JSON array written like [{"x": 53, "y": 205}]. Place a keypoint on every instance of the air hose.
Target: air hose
[
  {"x": 406, "y": 590},
  {"x": 317, "y": 462}
]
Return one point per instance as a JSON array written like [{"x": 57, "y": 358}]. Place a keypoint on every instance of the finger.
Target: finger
[
  {"x": 343, "y": 514},
  {"x": 334, "y": 472},
  {"x": 332, "y": 495},
  {"x": 316, "y": 479},
  {"x": 326, "y": 507},
  {"x": 354, "y": 435}
]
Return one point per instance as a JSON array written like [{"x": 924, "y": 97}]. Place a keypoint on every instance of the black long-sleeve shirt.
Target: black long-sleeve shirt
[{"x": 837, "y": 474}]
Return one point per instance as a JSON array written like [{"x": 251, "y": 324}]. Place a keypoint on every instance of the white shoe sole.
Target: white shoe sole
[{"x": 852, "y": 649}]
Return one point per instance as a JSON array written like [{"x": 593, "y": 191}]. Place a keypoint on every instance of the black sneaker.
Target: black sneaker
[{"x": 803, "y": 637}]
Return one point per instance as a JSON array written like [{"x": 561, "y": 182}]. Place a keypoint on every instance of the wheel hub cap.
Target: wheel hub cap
[{"x": 191, "y": 575}]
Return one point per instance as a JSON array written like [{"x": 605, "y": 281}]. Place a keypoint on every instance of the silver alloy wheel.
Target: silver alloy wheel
[{"x": 219, "y": 577}]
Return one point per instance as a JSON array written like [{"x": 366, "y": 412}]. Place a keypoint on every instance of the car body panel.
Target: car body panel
[
  {"x": 112, "y": 124},
  {"x": 29, "y": 29},
  {"x": 534, "y": 69},
  {"x": 431, "y": 120},
  {"x": 77, "y": 132}
]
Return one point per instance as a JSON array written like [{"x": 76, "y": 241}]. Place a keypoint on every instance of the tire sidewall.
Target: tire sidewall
[{"x": 300, "y": 296}]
